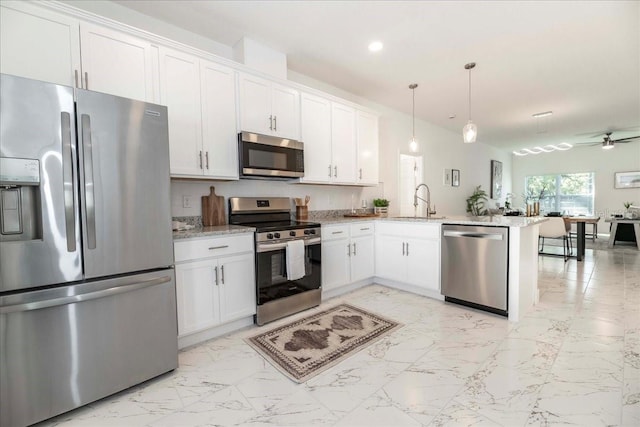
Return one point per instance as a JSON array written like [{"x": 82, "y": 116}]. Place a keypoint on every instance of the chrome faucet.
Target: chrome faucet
[{"x": 427, "y": 201}]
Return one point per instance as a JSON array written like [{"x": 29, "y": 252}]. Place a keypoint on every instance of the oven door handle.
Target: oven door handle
[{"x": 268, "y": 247}]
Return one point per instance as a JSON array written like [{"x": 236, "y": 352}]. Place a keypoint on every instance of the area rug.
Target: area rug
[{"x": 304, "y": 348}]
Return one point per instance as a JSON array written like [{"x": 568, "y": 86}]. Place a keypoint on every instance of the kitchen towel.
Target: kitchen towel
[{"x": 295, "y": 259}]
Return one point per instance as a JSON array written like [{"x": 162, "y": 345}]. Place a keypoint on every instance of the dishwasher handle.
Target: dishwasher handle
[{"x": 474, "y": 235}]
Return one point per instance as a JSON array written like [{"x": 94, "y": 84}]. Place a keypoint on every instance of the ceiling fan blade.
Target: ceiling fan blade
[
  {"x": 603, "y": 132},
  {"x": 629, "y": 139}
]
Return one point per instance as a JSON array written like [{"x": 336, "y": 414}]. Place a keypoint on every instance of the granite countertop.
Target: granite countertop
[
  {"x": 492, "y": 221},
  {"x": 214, "y": 230},
  {"x": 342, "y": 220}
]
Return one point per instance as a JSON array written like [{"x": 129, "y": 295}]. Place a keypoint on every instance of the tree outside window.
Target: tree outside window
[{"x": 570, "y": 193}]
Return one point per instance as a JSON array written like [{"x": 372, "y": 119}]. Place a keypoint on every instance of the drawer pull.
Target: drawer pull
[
  {"x": 336, "y": 232},
  {"x": 218, "y": 247},
  {"x": 363, "y": 229}
]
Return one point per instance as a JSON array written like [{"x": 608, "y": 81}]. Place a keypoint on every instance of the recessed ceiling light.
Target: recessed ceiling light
[
  {"x": 543, "y": 114},
  {"x": 375, "y": 46}
]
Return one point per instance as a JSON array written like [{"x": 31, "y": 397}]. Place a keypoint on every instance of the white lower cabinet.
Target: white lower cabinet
[
  {"x": 215, "y": 282},
  {"x": 409, "y": 254},
  {"x": 347, "y": 254}
]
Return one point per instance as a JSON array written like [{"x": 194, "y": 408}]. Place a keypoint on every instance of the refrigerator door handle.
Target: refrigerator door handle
[
  {"x": 54, "y": 302},
  {"x": 90, "y": 207},
  {"x": 68, "y": 180}
]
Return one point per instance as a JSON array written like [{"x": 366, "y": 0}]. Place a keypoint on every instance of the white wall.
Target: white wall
[{"x": 608, "y": 200}]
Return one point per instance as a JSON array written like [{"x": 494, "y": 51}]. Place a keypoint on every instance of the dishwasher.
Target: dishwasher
[{"x": 475, "y": 266}]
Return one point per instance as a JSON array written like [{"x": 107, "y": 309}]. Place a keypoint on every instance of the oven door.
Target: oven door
[
  {"x": 271, "y": 271},
  {"x": 267, "y": 156}
]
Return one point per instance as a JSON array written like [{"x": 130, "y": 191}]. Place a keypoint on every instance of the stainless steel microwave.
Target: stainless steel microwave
[{"x": 264, "y": 156}]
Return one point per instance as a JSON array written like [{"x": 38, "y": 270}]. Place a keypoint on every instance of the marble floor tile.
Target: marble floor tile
[{"x": 573, "y": 359}]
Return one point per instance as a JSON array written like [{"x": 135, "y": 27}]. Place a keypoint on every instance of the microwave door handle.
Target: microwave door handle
[{"x": 90, "y": 208}]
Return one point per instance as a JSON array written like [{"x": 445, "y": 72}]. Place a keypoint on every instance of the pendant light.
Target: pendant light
[
  {"x": 413, "y": 143},
  {"x": 470, "y": 131}
]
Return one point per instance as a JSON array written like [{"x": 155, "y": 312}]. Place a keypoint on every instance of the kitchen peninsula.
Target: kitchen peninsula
[{"x": 419, "y": 238}]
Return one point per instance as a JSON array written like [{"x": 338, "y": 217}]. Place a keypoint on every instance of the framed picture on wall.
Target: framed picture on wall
[
  {"x": 496, "y": 179},
  {"x": 455, "y": 177},
  {"x": 627, "y": 179}
]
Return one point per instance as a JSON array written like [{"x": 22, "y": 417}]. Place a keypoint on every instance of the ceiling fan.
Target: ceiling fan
[{"x": 608, "y": 143}]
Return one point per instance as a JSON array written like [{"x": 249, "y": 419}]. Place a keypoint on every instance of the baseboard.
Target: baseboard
[
  {"x": 335, "y": 292},
  {"x": 409, "y": 288},
  {"x": 215, "y": 332}
]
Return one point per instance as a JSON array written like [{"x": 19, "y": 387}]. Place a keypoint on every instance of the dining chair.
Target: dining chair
[{"x": 554, "y": 228}]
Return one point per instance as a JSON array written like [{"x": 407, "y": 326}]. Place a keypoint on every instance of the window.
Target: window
[{"x": 570, "y": 193}]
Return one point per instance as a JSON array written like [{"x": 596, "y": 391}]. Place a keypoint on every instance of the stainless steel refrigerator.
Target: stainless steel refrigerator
[{"x": 87, "y": 288}]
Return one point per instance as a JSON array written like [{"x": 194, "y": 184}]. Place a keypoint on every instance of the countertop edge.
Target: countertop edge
[
  {"x": 211, "y": 231},
  {"x": 495, "y": 221}
]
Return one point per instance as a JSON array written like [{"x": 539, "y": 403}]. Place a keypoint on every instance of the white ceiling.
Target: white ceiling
[{"x": 580, "y": 59}]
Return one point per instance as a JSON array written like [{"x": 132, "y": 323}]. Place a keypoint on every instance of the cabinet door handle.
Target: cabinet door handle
[
  {"x": 206, "y": 155},
  {"x": 270, "y": 122},
  {"x": 86, "y": 80},
  {"x": 218, "y": 247},
  {"x": 215, "y": 269},
  {"x": 329, "y": 171},
  {"x": 200, "y": 159},
  {"x": 76, "y": 78},
  {"x": 402, "y": 248},
  {"x": 360, "y": 173},
  {"x": 354, "y": 249},
  {"x": 275, "y": 123},
  {"x": 407, "y": 248},
  {"x": 222, "y": 271},
  {"x": 335, "y": 171},
  {"x": 348, "y": 249}
]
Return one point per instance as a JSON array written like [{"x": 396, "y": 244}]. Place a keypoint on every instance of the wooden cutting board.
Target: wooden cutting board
[{"x": 213, "y": 209}]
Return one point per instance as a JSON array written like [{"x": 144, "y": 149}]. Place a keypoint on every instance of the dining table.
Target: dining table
[{"x": 581, "y": 221}]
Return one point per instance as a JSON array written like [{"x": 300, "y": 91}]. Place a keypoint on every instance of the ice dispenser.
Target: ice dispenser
[{"x": 20, "y": 216}]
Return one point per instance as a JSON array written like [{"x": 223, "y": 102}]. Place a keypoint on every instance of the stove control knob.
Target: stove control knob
[
  {"x": 292, "y": 233},
  {"x": 312, "y": 231},
  {"x": 276, "y": 235},
  {"x": 269, "y": 236},
  {"x": 307, "y": 231}
]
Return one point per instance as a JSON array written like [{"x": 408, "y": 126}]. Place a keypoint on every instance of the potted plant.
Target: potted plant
[
  {"x": 475, "y": 203},
  {"x": 381, "y": 207},
  {"x": 627, "y": 213}
]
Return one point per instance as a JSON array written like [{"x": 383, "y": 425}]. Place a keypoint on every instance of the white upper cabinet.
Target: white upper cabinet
[
  {"x": 367, "y": 148},
  {"x": 315, "y": 133},
  {"x": 343, "y": 143},
  {"x": 268, "y": 108},
  {"x": 200, "y": 96},
  {"x": 340, "y": 143},
  {"x": 39, "y": 44},
  {"x": 117, "y": 63},
  {"x": 180, "y": 92},
  {"x": 219, "y": 133}
]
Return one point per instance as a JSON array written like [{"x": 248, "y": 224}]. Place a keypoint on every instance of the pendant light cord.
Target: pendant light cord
[
  {"x": 413, "y": 114},
  {"x": 469, "y": 93}
]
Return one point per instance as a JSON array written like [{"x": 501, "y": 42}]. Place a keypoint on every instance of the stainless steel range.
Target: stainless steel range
[{"x": 278, "y": 296}]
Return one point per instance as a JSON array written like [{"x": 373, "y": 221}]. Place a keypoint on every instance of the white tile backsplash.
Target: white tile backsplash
[{"x": 323, "y": 197}]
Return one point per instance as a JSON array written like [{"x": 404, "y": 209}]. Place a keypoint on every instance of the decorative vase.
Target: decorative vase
[
  {"x": 536, "y": 208},
  {"x": 382, "y": 211}
]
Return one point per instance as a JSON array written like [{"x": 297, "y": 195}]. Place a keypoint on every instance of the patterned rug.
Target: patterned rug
[{"x": 306, "y": 347}]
